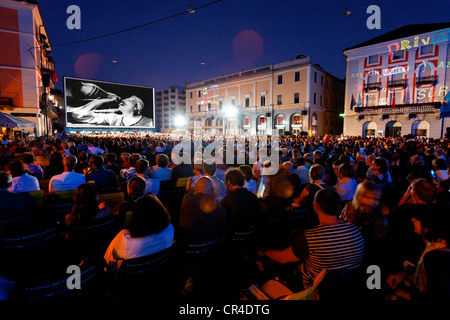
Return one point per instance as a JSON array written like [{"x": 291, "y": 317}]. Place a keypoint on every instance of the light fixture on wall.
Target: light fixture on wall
[{"x": 346, "y": 12}]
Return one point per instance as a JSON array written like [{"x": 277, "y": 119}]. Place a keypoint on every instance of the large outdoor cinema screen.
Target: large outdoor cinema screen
[{"x": 99, "y": 104}]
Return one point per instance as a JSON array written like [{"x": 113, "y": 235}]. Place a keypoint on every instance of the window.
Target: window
[
  {"x": 280, "y": 79},
  {"x": 398, "y": 55},
  {"x": 199, "y": 108},
  {"x": 233, "y": 102},
  {"x": 315, "y": 77},
  {"x": 315, "y": 98},
  {"x": 209, "y": 106},
  {"x": 428, "y": 49},
  {"x": 247, "y": 102},
  {"x": 190, "y": 94},
  {"x": 297, "y": 76},
  {"x": 199, "y": 94},
  {"x": 190, "y": 109},
  {"x": 220, "y": 104},
  {"x": 172, "y": 102},
  {"x": 373, "y": 59},
  {"x": 262, "y": 101},
  {"x": 279, "y": 99},
  {"x": 321, "y": 80},
  {"x": 297, "y": 97},
  {"x": 320, "y": 99}
]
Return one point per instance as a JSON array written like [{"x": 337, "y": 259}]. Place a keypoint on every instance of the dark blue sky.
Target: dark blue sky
[{"x": 229, "y": 36}]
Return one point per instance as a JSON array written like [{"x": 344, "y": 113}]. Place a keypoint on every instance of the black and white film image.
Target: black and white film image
[{"x": 104, "y": 104}]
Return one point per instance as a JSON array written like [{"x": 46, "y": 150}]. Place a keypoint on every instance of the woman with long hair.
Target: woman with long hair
[{"x": 85, "y": 205}]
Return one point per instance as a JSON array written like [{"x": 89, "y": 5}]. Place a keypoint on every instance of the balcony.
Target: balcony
[
  {"x": 372, "y": 86},
  {"x": 397, "y": 83},
  {"x": 426, "y": 80},
  {"x": 412, "y": 108}
]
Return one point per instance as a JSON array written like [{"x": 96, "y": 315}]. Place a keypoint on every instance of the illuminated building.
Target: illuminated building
[
  {"x": 398, "y": 83},
  {"x": 26, "y": 64},
  {"x": 170, "y": 103},
  {"x": 295, "y": 97}
]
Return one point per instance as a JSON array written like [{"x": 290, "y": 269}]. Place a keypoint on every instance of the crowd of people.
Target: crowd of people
[{"x": 336, "y": 203}]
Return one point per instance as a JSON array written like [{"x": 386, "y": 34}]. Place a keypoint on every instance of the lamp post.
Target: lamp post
[{"x": 229, "y": 112}]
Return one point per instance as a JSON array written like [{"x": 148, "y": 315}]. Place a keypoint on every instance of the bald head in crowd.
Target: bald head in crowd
[{"x": 204, "y": 185}]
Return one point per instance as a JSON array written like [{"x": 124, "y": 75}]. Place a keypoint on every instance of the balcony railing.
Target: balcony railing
[
  {"x": 372, "y": 86},
  {"x": 397, "y": 83},
  {"x": 425, "y": 80},
  {"x": 403, "y": 108}
]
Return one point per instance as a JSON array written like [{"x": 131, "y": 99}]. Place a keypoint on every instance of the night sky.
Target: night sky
[{"x": 229, "y": 36}]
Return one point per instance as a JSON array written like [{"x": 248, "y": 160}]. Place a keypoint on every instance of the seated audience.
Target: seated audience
[
  {"x": 332, "y": 245},
  {"x": 85, "y": 205},
  {"x": 111, "y": 163},
  {"x": 162, "y": 172},
  {"x": 13, "y": 202},
  {"x": 142, "y": 168},
  {"x": 68, "y": 180},
  {"x": 103, "y": 178},
  {"x": 250, "y": 183},
  {"x": 127, "y": 173},
  {"x": 148, "y": 231},
  {"x": 346, "y": 185},
  {"x": 201, "y": 217},
  {"x": 21, "y": 180},
  {"x": 55, "y": 166},
  {"x": 33, "y": 169}
]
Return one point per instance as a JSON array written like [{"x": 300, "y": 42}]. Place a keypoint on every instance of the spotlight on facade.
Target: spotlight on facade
[
  {"x": 180, "y": 121},
  {"x": 230, "y": 111}
]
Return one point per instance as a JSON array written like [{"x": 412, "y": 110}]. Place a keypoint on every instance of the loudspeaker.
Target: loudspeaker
[
  {"x": 268, "y": 114},
  {"x": 304, "y": 112}
]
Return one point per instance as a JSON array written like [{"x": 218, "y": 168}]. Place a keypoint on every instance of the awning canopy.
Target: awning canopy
[{"x": 9, "y": 121}]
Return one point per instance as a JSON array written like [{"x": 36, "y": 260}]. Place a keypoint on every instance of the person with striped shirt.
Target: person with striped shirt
[{"x": 332, "y": 245}]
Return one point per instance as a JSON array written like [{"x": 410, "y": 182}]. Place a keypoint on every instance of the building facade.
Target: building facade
[
  {"x": 170, "y": 103},
  {"x": 398, "y": 83},
  {"x": 294, "y": 97},
  {"x": 27, "y": 70}
]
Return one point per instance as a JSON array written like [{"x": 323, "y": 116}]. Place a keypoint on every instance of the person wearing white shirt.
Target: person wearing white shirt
[
  {"x": 21, "y": 180},
  {"x": 68, "y": 180},
  {"x": 147, "y": 231}
]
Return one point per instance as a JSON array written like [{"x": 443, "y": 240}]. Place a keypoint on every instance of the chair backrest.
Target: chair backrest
[
  {"x": 61, "y": 196},
  {"x": 29, "y": 240},
  {"x": 14, "y": 220},
  {"x": 202, "y": 247},
  {"x": 144, "y": 266},
  {"x": 97, "y": 227},
  {"x": 181, "y": 182},
  {"x": 57, "y": 285},
  {"x": 312, "y": 292},
  {"x": 113, "y": 200},
  {"x": 245, "y": 235},
  {"x": 340, "y": 285},
  {"x": 38, "y": 197}
]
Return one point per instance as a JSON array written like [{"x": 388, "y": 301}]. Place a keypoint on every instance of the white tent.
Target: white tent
[{"x": 9, "y": 121}]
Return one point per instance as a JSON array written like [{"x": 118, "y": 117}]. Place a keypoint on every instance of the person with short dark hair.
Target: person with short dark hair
[
  {"x": 379, "y": 172},
  {"x": 148, "y": 230},
  {"x": 111, "y": 164},
  {"x": 161, "y": 172},
  {"x": 21, "y": 180},
  {"x": 127, "y": 173},
  {"x": 243, "y": 208},
  {"x": 142, "y": 168},
  {"x": 103, "y": 178},
  {"x": 55, "y": 166},
  {"x": 35, "y": 170},
  {"x": 332, "y": 245}
]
